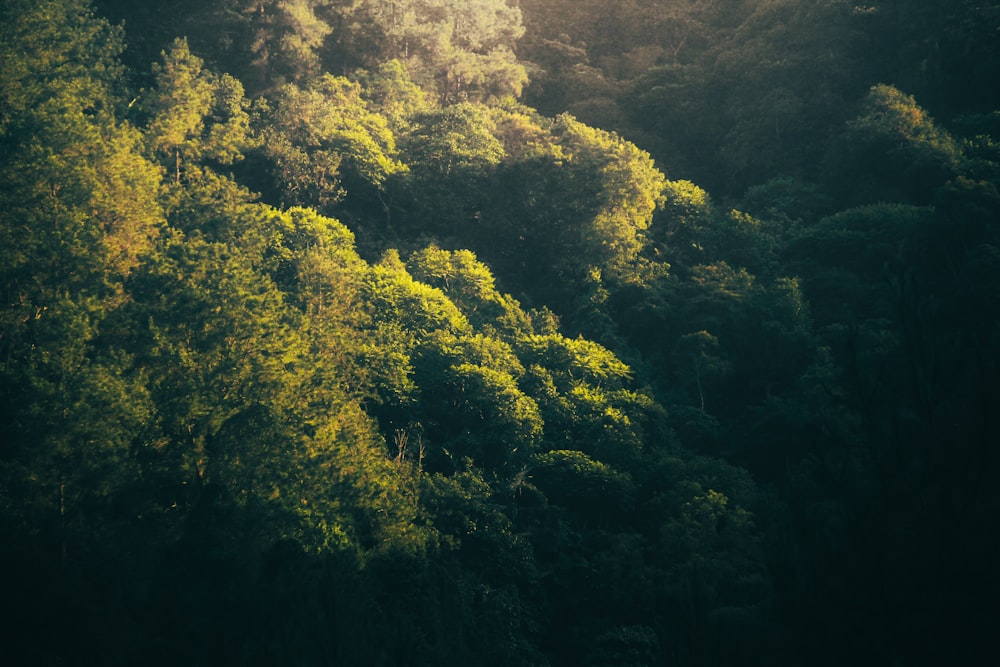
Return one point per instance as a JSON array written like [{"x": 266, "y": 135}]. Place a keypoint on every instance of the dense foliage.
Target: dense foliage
[{"x": 445, "y": 332}]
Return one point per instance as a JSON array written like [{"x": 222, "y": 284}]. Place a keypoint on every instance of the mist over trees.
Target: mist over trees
[{"x": 496, "y": 332}]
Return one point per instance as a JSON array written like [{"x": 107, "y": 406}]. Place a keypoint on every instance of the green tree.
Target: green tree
[
  {"x": 472, "y": 401},
  {"x": 79, "y": 218},
  {"x": 893, "y": 151},
  {"x": 458, "y": 137},
  {"x": 464, "y": 51},
  {"x": 471, "y": 286},
  {"x": 586, "y": 199},
  {"x": 195, "y": 115},
  {"x": 573, "y": 480},
  {"x": 322, "y": 139},
  {"x": 80, "y": 209},
  {"x": 451, "y": 152},
  {"x": 393, "y": 94},
  {"x": 267, "y": 43}
]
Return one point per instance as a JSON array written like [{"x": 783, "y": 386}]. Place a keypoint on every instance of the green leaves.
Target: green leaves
[
  {"x": 322, "y": 137},
  {"x": 573, "y": 480},
  {"x": 575, "y": 360},
  {"x": 181, "y": 103},
  {"x": 79, "y": 216},
  {"x": 461, "y": 50},
  {"x": 53, "y": 55},
  {"x": 630, "y": 189},
  {"x": 471, "y": 286},
  {"x": 897, "y": 150},
  {"x": 194, "y": 114},
  {"x": 422, "y": 309},
  {"x": 457, "y": 138},
  {"x": 393, "y": 94}
]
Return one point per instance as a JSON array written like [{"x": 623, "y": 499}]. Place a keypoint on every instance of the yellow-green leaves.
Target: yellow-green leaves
[
  {"x": 195, "y": 114},
  {"x": 124, "y": 200},
  {"x": 630, "y": 188},
  {"x": 393, "y": 94},
  {"x": 458, "y": 138},
  {"x": 181, "y": 102},
  {"x": 461, "y": 49},
  {"x": 322, "y": 137},
  {"x": 54, "y": 52},
  {"x": 422, "y": 309},
  {"x": 576, "y": 360},
  {"x": 470, "y": 285}
]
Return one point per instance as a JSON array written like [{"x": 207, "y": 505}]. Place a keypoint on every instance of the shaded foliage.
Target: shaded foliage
[{"x": 382, "y": 366}]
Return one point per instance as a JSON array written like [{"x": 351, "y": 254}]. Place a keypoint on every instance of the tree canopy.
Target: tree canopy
[{"x": 428, "y": 332}]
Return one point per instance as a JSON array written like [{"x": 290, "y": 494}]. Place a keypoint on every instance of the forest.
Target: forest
[{"x": 556, "y": 333}]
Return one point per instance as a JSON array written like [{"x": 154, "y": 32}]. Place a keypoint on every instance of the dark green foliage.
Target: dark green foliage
[
  {"x": 892, "y": 151},
  {"x": 752, "y": 424},
  {"x": 573, "y": 480}
]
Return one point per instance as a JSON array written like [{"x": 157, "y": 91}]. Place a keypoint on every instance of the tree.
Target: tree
[
  {"x": 195, "y": 115},
  {"x": 392, "y": 93},
  {"x": 322, "y": 138},
  {"x": 450, "y": 152},
  {"x": 79, "y": 218},
  {"x": 893, "y": 151},
  {"x": 586, "y": 198},
  {"x": 79, "y": 201},
  {"x": 475, "y": 409},
  {"x": 464, "y": 51},
  {"x": 572, "y": 479},
  {"x": 269, "y": 42},
  {"x": 470, "y": 285},
  {"x": 454, "y": 138}
]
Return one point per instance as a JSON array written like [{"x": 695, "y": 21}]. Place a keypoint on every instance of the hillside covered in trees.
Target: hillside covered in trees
[{"x": 500, "y": 332}]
